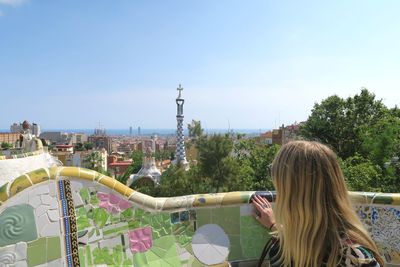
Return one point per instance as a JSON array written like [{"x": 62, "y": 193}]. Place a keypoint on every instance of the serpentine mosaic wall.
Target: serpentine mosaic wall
[{"x": 68, "y": 216}]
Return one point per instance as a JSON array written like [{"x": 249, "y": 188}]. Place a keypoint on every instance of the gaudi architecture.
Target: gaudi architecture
[{"x": 180, "y": 155}]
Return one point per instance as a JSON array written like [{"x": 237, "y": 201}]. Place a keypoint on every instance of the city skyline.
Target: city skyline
[{"x": 251, "y": 65}]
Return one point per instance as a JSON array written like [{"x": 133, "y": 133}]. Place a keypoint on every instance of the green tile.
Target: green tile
[
  {"x": 203, "y": 216},
  {"x": 253, "y": 237},
  {"x": 82, "y": 257},
  {"x": 53, "y": 248},
  {"x": 36, "y": 254},
  {"x": 18, "y": 224},
  {"x": 228, "y": 219},
  {"x": 88, "y": 255},
  {"x": 235, "y": 249}
]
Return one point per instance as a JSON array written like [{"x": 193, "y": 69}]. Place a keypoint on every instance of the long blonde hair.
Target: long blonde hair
[{"x": 313, "y": 210}]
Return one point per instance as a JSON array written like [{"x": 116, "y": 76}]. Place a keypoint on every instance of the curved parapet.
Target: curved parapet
[
  {"x": 16, "y": 163},
  {"x": 83, "y": 218}
]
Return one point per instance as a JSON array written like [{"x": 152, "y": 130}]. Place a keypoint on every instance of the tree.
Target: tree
[
  {"x": 341, "y": 123},
  {"x": 195, "y": 130},
  {"x": 214, "y": 161},
  {"x": 175, "y": 181},
  {"x": 381, "y": 142},
  {"x": 5, "y": 145},
  {"x": 88, "y": 145},
  {"x": 94, "y": 161},
  {"x": 361, "y": 174},
  {"x": 256, "y": 159},
  {"x": 79, "y": 147},
  {"x": 137, "y": 162}
]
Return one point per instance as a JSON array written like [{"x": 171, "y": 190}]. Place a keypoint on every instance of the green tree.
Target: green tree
[
  {"x": 341, "y": 123},
  {"x": 381, "y": 142},
  {"x": 175, "y": 181},
  {"x": 214, "y": 160},
  {"x": 79, "y": 147},
  {"x": 195, "y": 130},
  {"x": 361, "y": 174},
  {"x": 257, "y": 159},
  {"x": 137, "y": 162},
  {"x": 94, "y": 161},
  {"x": 5, "y": 145},
  {"x": 88, "y": 145}
]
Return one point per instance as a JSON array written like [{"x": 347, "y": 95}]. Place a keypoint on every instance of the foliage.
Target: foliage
[
  {"x": 195, "y": 130},
  {"x": 88, "y": 145},
  {"x": 361, "y": 173},
  {"x": 175, "y": 181},
  {"x": 137, "y": 161},
  {"x": 93, "y": 161},
  {"x": 79, "y": 147},
  {"x": 5, "y": 145},
  {"x": 365, "y": 134},
  {"x": 162, "y": 155},
  {"x": 257, "y": 158},
  {"x": 342, "y": 122},
  {"x": 215, "y": 162}
]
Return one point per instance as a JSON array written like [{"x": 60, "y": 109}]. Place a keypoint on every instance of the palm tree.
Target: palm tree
[{"x": 94, "y": 161}]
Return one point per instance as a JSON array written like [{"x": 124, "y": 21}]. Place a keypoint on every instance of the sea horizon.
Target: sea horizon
[{"x": 155, "y": 131}]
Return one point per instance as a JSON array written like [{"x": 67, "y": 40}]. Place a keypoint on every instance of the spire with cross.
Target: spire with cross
[
  {"x": 180, "y": 138},
  {"x": 180, "y": 88}
]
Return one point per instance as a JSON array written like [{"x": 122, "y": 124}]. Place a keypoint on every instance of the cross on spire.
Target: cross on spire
[{"x": 180, "y": 88}]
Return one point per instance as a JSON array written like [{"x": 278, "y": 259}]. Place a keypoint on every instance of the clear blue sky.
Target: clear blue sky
[{"x": 254, "y": 64}]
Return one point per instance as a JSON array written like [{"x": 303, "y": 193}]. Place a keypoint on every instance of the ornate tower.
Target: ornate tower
[{"x": 180, "y": 138}]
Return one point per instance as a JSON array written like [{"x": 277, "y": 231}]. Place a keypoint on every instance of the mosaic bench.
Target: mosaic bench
[{"x": 66, "y": 216}]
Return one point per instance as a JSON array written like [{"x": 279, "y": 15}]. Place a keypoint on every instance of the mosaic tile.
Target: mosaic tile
[
  {"x": 17, "y": 224},
  {"x": 13, "y": 255},
  {"x": 112, "y": 203},
  {"x": 140, "y": 240},
  {"x": 210, "y": 244},
  {"x": 228, "y": 219},
  {"x": 249, "y": 228}
]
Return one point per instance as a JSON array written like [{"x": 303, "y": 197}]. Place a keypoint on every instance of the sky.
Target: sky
[{"x": 243, "y": 64}]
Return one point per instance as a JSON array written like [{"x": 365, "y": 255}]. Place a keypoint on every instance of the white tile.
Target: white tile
[
  {"x": 76, "y": 186},
  {"x": 51, "y": 229},
  {"x": 40, "y": 189},
  {"x": 21, "y": 250},
  {"x": 110, "y": 243},
  {"x": 41, "y": 222},
  {"x": 39, "y": 211},
  {"x": 20, "y": 264},
  {"x": 34, "y": 201},
  {"x": 47, "y": 199},
  {"x": 55, "y": 263},
  {"x": 77, "y": 199},
  {"x": 53, "y": 192},
  {"x": 54, "y": 215},
  {"x": 247, "y": 210}
]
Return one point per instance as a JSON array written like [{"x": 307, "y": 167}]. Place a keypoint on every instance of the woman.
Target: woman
[{"x": 313, "y": 223}]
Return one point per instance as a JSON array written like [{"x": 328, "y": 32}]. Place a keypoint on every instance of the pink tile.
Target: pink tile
[
  {"x": 113, "y": 203},
  {"x": 140, "y": 240}
]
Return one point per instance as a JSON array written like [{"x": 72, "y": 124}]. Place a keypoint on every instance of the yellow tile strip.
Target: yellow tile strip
[{"x": 153, "y": 204}]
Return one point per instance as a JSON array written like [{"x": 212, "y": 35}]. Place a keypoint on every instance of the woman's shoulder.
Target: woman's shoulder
[{"x": 357, "y": 255}]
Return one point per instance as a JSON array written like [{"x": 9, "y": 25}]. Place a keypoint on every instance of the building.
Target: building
[
  {"x": 64, "y": 153},
  {"x": 10, "y": 138},
  {"x": 149, "y": 174},
  {"x": 17, "y": 128},
  {"x": 57, "y": 138},
  {"x": 117, "y": 168},
  {"x": 101, "y": 141},
  {"x": 76, "y": 138},
  {"x": 266, "y": 138}
]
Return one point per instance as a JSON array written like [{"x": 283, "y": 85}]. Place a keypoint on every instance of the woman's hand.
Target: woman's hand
[{"x": 265, "y": 213}]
